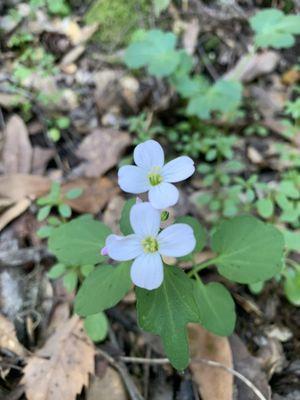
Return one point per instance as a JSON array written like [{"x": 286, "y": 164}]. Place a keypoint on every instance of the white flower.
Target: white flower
[
  {"x": 146, "y": 245},
  {"x": 150, "y": 174}
]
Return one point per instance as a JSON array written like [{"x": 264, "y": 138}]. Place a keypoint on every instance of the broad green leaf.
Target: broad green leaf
[
  {"x": 57, "y": 271},
  {"x": 160, "y": 5},
  {"x": 265, "y": 207},
  {"x": 70, "y": 281},
  {"x": 292, "y": 286},
  {"x": 199, "y": 232},
  {"x": 125, "y": 221},
  {"x": 43, "y": 213},
  {"x": 44, "y": 231},
  {"x": 96, "y": 326},
  {"x": 87, "y": 269},
  {"x": 215, "y": 307},
  {"x": 224, "y": 96},
  {"x": 103, "y": 288},
  {"x": 166, "y": 311},
  {"x": 289, "y": 189},
  {"x": 257, "y": 287},
  {"x": 275, "y": 29},
  {"x": 248, "y": 250},
  {"x": 65, "y": 210},
  {"x": 79, "y": 241},
  {"x": 292, "y": 239},
  {"x": 74, "y": 193},
  {"x": 155, "y": 50}
]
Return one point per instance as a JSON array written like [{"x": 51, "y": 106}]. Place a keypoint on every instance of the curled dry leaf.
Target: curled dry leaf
[
  {"x": 17, "y": 151},
  {"x": 109, "y": 386},
  {"x": 60, "y": 369},
  {"x": 13, "y": 212},
  {"x": 8, "y": 337},
  {"x": 16, "y": 187},
  {"x": 97, "y": 192},
  {"x": 213, "y": 383},
  {"x": 101, "y": 150}
]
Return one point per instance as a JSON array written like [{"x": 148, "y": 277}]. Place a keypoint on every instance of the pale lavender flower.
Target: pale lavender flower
[
  {"x": 151, "y": 175},
  {"x": 147, "y": 245}
]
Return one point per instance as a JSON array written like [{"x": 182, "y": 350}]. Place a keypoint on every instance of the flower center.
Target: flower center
[
  {"x": 150, "y": 244},
  {"x": 154, "y": 176}
]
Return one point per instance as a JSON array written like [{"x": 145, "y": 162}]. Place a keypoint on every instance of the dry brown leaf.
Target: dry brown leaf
[
  {"x": 250, "y": 66},
  {"x": 101, "y": 150},
  {"x": 8, "y": 337},
  {"x": 19, "y": 186},
  {"x": 13, "y": 212},
  {"x": 110, "y": 386},
  {"x": 60, "y": 369},
  {"x": 213, "y": 383},
  {"x": 191, "y": 35},
  {"x": 40, "y": 159},
  {"x": 97, "y": 192},
  {"x": 17, "y": 151}
]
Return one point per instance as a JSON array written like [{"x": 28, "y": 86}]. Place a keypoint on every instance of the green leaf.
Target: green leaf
[
  {"x": 125, "y": 221},
  {"x": 257, "y": 287},
  {"x": 274, "y": 29},
  {"x": 79, "y": 241},
  {"x": 96, "y": 326},
  {"x": 43, "y": 213},
  {"x": 44, "y": 231},
  {"x": 87, "y": 269},
  {"x": 215, "y": 307},
  {"x": 156, "y": 50},
  {"x": 70, "y": 281},
  {"x": 74, "y": 193},
  {"x": 166, "y": 311},
  {"x": 224, "y": 96},
  {"x": 103, "y": 288},
  {"x": 292, "y": 239},
  {"x": 57, "y": 271},
  {"x": 265, "y": 207},
  {"x": 199, "y": 232},
  {"x": 65, "y": 210},
  {"x": 289, "y": 189},
  {"x": 54, "y": 134},
  {"x": 248, "y": 250},
  {"x": 292, "y": 286},
  {"x": 160, "y": 5}
]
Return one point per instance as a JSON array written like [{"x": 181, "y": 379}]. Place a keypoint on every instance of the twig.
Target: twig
[
  {"x": 162, "y": 361},
  {"x": 130, "y": 386}
]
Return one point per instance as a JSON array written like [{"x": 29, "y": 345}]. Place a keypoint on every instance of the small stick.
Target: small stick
[{"x": 162, "y": 361}]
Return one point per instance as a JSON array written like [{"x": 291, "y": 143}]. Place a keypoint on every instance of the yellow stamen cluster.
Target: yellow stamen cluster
[
  {"x": 150, "y": 244},
  {"x": 154, "y": 176}
]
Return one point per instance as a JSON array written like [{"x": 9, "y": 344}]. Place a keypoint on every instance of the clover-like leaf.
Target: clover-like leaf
[
  {"x": 275, "y": 29},
  {"x": 96, "y": 326},
  {"x": 224, "y": 96},
  {"x": 103, "y": 288},
  {"x": 79, "y": 241},
  {"x": 215, "y": 307},
  {"x": 248, "y": 250},
  {"x": 155, "y": 50},
  {"x": 166, "y": 311},
  {"x": 265, "y": 207}
]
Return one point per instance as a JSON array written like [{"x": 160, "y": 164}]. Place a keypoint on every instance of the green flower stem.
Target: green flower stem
[{"x": 203, "y": 265}]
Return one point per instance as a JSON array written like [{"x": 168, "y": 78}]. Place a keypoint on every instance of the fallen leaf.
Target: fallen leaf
[
  {"x": 16, "y": 187},
  {"x": 17, "y": 151},
  {"x": 13, "y": 212},
  {"x": 191, "y": 35},
  {"x": 97, "y": 192},
  {"x": 8, "y": 337},
  {"x": 109, "y": 386},
  {"x": 60, "y": 369},
  {"x": 250, "y": 66},
  {"x": 291, "y": 77},
  {"x": 40, "y": 159},
  {"x": 213, "y": 383},
  {"x": 112, "y": 214},
  {"x": 101, "y": 150}
]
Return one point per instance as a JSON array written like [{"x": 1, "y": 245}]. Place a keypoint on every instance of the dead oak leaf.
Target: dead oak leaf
[
  {"x": 101, "y": 150},
  {"x": 8, "y": 337},
  {"x": 213, "y": 383},
  {"x": 17, "y": 150},
  {"x": 60, "y": 369}
]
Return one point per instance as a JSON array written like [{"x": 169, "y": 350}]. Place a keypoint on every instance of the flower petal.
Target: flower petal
[
  {"x": 149, "y": 154},
  {"x": 147, "y": 271},
  {"x": 163, "y": 195},
  {"x": 179, "y": 169},
  {"x": 122, "y": 248},
  {"x": 176, "y": 241},
  {"x": 144, "y": 219},
  {"x": 133, "y": 179}
]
